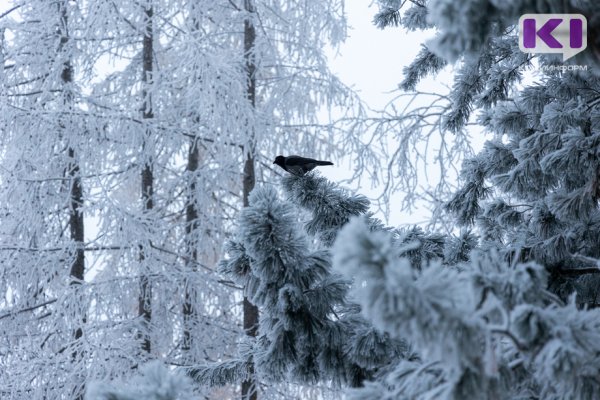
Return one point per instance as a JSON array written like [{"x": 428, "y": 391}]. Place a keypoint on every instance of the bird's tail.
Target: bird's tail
[{"x": 324, "y": 163}]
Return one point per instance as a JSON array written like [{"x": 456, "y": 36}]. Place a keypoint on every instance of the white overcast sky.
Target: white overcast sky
[{"x": 372, "y": 59}]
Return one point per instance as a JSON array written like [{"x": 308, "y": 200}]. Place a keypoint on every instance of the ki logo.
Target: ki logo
[{"x": 553, "y": 33}]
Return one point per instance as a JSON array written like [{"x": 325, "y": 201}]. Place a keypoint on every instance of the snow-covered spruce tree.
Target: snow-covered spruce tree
[
  {"x": 308, "y": 331},
  {"x": 532, "y": 192}
]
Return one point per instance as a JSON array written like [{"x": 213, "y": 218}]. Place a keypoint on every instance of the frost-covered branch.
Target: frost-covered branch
[
  {"x": 484, "y": 328},
  {"x": 155, "y": 382}
]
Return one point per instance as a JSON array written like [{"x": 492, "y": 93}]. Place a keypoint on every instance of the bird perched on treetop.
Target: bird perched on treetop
[{"x": 298, "y": 165}]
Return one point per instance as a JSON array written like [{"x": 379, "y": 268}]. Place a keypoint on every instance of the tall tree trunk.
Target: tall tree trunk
[
  {"x": 76, "y": 220},
  {"x": 189, "y": 312},
  {"x": 249, "y": 386},
  {"x": 145, "y": 296},
  {"x": 191, "y": 233}
]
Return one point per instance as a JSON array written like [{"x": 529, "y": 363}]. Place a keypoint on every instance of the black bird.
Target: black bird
[{"x": 298, "y": 165}]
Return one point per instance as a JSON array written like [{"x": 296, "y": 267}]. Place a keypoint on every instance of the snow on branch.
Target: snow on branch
[{"x": 155, "y": 382}]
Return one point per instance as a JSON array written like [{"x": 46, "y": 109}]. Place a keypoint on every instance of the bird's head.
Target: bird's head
[{"x": 279, "y": 160}]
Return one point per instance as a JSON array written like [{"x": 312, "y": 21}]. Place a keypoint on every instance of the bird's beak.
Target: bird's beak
[{"x": 274, "y": 162}]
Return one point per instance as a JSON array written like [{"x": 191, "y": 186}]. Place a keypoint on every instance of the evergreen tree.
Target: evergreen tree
[
  {"x": 477, "y": 326},
  {"x": 309, "y": 330},
  {"x": 532, "y": 191},
  {"x": 491, "y": 326},
  {"x": 483, "y": 328}
]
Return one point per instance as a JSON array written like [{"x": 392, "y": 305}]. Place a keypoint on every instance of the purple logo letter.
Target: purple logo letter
[{"x": 545, "y": 33}]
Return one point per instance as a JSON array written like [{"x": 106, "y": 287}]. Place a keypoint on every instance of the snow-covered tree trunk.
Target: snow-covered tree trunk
[
  {"x": 192, "y": 226},
  {"x": 147, "y": 174},
  {"x": 250, "y": 319},
  {"x": 76, "y": 216}
]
